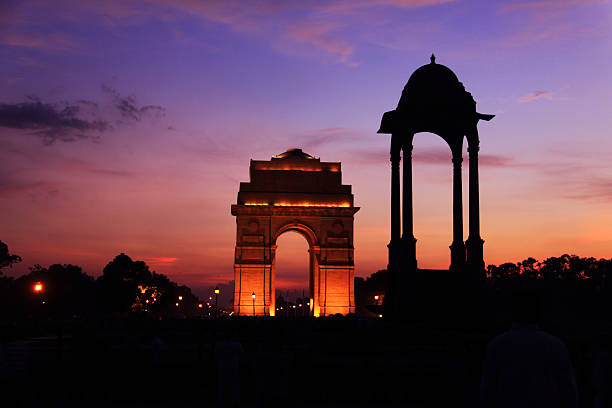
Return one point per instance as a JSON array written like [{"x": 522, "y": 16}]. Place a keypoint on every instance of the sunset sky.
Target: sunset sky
[{"x": 126, "y": 126}]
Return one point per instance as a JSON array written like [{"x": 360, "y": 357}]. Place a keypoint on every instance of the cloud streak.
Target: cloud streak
[
  {"x": 534, "y": 96},
  {"x": 51, "y": 122},
  {"x": 436, "y": 157},
  {"x": 128, "y": 109},
  {"x": 312, "y": 24},
  {"x": 72, "y": 121}
]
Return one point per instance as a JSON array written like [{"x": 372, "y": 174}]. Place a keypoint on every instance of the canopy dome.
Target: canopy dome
[
  {"x": 432, "y": 74},
  {"x": 433, "y": 100},
  {"x": 433, "y": 84}
]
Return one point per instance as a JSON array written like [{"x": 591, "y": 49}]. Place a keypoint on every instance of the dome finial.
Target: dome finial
[{"x": 433, "y": 59}]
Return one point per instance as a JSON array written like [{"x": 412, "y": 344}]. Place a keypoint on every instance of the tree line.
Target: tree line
[{"x": 126, "y": 286}]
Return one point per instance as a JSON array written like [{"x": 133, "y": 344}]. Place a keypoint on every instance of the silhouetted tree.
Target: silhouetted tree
[
  {"x": 7, "y": 259},
  {"x": 66, "y": 290},
  {"x": 128, "y": 285},
  {"x": 565, "y": 267},
  {"x": 119, "y": 283}
]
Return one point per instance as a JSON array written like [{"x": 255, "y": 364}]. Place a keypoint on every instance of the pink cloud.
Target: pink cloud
[
  {"x": 348, "y": 6},
  {"x": 530, "y": 97},
  {"x": 160, "y": 261},
  {"x": 435, "y": 156},
  {"x": 546, "y": 5},
  {"x": 319, "y": 34},
  {"x": 316, "y": 26},
  {"x": 52, "y": 41}
]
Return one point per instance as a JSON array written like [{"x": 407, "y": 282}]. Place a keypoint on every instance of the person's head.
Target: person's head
[{"x": 525, "y": 306}]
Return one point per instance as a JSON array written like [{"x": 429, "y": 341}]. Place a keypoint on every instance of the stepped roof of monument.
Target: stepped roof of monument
[{"x": 293, "y": 153}]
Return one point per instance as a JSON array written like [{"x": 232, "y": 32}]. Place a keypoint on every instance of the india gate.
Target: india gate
[{"x": 294, "y": 192}]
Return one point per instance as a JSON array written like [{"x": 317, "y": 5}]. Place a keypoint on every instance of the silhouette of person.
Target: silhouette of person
[
  {"x": 227, "y": 354},
  {"x": 602, "y": 376},
  {"x": 525, "y": 366}
]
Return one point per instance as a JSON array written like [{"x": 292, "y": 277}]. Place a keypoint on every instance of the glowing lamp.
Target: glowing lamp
[
  {"x": 217, "y": 290},
  {"x": 180, "y": 298},
  {"x": 376, "y": 297},
  {"x": 176, "y": 304},
  {"x": 253, "y": 296},
  {"x": 200, "y": 305},
  {"x": 38, "y": 287}
]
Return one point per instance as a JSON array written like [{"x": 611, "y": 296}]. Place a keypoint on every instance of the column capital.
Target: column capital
[{"x": 473, "y": 150}]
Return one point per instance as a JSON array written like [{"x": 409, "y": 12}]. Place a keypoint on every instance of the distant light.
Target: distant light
[
  {"x": 147, "y": 301},
  {"x": 379, "y": 315},
  {"x": 176, "y": 304},
  {"x": 180, "y": 298},
  {"x": 376, "y": 297},
  {"x": 38, "y": 287},
  {"x": 300, "y": 305},
  {"x": 200, "y": 305},
  {"x": 216, "y": 290},
  {"x": 210, "y": 298},
  {"x": 253, "y": 295}
]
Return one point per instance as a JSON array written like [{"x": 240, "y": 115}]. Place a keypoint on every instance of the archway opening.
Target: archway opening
[
  {"x": 292, "y": 275},
  {"x": 432, "y": 180}
]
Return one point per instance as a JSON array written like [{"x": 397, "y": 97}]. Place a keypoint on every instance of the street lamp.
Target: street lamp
[
  {"x": 38, "y": 289},
  {"x": 253, "y": 296},
  {"x": 376, "y": 297},
  {"x": 216, "y": 300},
  {"x": 180, "y": 298}
]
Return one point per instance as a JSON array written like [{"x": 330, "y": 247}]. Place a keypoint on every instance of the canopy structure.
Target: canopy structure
[{"x": 434, "y": 101}]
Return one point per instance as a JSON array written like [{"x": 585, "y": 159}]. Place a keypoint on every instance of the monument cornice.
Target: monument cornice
[{"x": 271, "y": 210}]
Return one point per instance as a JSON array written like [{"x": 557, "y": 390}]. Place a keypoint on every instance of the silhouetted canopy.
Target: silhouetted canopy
[{"x": 433, "y": 100}]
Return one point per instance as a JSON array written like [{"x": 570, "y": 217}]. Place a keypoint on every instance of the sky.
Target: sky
[{"x": 126, "y": 126}]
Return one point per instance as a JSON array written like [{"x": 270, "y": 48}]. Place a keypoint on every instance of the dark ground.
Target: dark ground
[{"x": 304, "y": 362}]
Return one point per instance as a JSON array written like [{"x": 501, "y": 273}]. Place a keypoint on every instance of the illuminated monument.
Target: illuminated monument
[
  {"x": 433, "y": 101},
  {"x": 294, "y": 192}
]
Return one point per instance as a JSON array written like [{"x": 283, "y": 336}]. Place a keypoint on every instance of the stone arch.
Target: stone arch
[
  {"x": 300, "y": 228},
  {"x": 294, "y": 192}
]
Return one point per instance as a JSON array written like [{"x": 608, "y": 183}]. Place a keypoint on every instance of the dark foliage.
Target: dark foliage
[
  {"x": 7, "y": 259},
  {"x": 566, "y": 267},
  {"x": 65, "y": 291}
]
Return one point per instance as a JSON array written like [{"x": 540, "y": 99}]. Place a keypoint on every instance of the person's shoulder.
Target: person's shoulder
[{"x": 552, "y": 341}]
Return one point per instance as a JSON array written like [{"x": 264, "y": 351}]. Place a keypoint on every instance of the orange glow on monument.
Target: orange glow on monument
[
  {"x": 287, "y": 204},
  {"x": 294, "y": 192}
]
